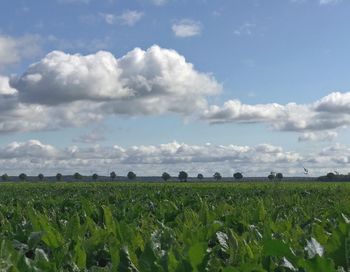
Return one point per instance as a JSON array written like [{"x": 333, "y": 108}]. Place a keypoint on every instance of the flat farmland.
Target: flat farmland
[{"x": 105, "y": 226}]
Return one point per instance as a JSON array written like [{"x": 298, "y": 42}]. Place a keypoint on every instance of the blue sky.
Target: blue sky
[{"x": 267, "y": 78}]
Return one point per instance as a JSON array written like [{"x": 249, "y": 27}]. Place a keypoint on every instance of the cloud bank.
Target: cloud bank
[{"x": 34, "y": 156}]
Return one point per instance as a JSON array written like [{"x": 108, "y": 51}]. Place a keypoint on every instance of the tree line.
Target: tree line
[{"x": 182, "y": 176}]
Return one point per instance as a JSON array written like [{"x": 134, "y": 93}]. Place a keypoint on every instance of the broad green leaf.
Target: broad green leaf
[{"x": 196, "y": 254}]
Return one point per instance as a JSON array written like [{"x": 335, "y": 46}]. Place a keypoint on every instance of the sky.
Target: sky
[{"x": 169, "y": 85}]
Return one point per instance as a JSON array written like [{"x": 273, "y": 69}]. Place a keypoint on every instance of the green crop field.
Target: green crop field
[{"x": 175, "y": 227}]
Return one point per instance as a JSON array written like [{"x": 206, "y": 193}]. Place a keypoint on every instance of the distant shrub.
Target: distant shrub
[
  {"x": 217, "y": 176},
  {"x": 22, "y": 177},
  {"x": 238, "y": 175},
  {"x": 58, "y": 176},
  {"x": 183, "y": 176},
  {"x": 165, "y": 176},
  {"x": 131, "y": 175},
  {"x": 77, "y": 176}
]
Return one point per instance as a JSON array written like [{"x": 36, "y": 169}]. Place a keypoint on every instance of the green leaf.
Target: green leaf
[
  {"x": 196, "y": 254},
  {"x": 79, "y": 255},
  {"x": 108, "y": 219},
  {"x": 277, "y": 248},
  {"x": 126, "y": 264},
  {"x": 318, "y": 264}
]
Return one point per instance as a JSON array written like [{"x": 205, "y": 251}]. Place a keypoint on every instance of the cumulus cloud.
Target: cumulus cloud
[
  {"x": 335, "y": 102},
  {"x": 128, "y": 17},
  {"x": 186, "y": 28},
  {"x": 329, "y": 112},
  {"x": 63, "y": 90},
  {"x": 30, "y": 149},
  {"x": 61, "y": 77},
  {"x": 13, "y": 49},
  {"x": 5, "y": 88}
]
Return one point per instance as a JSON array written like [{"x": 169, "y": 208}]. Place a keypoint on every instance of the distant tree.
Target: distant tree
[
  {"x": 41, "y": 177},
  {"x": 165, "y": 176},
  {"x": 217, "y": 176},
  {"x": 200, "y": 176},
  {"x": 22, "y": 177},
  {"x": 279, "y": 176},
  {"x": 238, "y": 175},
  {"x": 330, "y": 175},
  {"x": 183, "y": 176},
  {"x": 77, "y": 176},
  {"x": 95, "y": 176},
  {"x": 113, "y": 175},
  {"x": 4, "y": 177},
  {"x": 271, "y": 177},
  {"x": 131, "y": 175},
  {"x": 58, "y": 176}
]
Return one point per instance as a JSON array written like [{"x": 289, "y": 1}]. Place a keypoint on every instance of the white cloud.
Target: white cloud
[
  {"x": 65, "y": 90},
  {"x": 186, "y": 28},
  {"x": 30, "y": 149},
  {"x": 318, "y": 137},
  {"x": 330, "y": 112},
  {"x": 14, "y": 49},
  {"x": 61, "y": 78},
  {"x": 128, "y": 17},
  {"x": 5, "y": 88}
]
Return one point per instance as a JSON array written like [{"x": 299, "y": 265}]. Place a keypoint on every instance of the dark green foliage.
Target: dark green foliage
[
  {"x": 271, "y": 177},
  {"x": 131, "y": 175},
  {"x": 217, "y": 176},
  {"x": 200, "y": 176},
  {"x": 165, "y": 176},
  {"x": 58, "y": 176},
  {"x": 95, "y": 176},
  {"x": 112, "y": 175},
  {"x": 22, "y": 177},
  {"x": 175, "y": 227},
  {"x": 238, "y": 175},
  {"x": 41, "y": 177},
  {"x": 183, "y": 176},
  {"x": 279, "y": 176},
  {"x": 330, "y": 176},
  {"x": 77, "y": 176}
]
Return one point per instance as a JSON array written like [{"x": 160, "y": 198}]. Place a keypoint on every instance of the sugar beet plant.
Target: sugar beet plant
[{"x": 174, "y": 227}]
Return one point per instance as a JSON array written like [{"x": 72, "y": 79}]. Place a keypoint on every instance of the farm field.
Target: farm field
[{"x": 175, "y": 227}]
